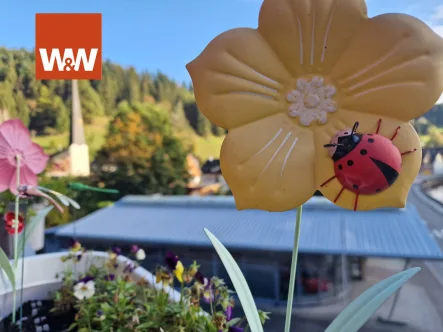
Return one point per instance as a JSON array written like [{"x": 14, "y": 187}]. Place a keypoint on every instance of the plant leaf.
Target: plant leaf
[
  {"x": 30, "y": 227},
  {"x": 6, "y": 266},
  {"x": 239, "y": 282},
  {"x": 361, "y": 309}
]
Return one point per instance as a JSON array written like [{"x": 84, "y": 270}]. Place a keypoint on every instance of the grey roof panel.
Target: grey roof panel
[{"x": 325, "y": 227}]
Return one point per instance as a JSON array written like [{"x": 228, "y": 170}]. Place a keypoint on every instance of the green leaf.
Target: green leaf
[
  {"x": 233, "y": 322},
  {"x": 6, "y": 266},
  {"x": 239, "y": 282},
  {"x": 30, "y": 227},
  {"x": 361, "y": 309}
]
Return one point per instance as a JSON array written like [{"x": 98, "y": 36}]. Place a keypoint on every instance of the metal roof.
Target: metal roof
[{"x": 326, "y": 228}]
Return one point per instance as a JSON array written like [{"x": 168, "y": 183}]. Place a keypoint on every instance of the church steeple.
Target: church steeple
[
  {"x": 78, "y": 149},
  {"x": 77, "y": 129}
]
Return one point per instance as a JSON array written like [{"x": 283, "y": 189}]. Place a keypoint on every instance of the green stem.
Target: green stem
[
  {"x": 293, "y": 270},
  {"x": 182, "y": 293},
  {"x": 23, "y": 265},
  {"x": 212, "y": 307},
  {"x": 17, "y": 205}
]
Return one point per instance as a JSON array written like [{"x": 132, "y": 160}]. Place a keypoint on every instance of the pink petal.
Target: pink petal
[
  {"x": 16, "y": 134},
  {"x": 5, "y": 148},
  {"x": 6, "y": 172},
  {"x": 27, "y": 177},
  {"x": 35, "y": 158}
]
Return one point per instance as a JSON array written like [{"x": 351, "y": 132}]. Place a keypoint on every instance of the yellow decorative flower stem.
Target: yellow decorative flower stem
[{"x": 293, "y": 270}]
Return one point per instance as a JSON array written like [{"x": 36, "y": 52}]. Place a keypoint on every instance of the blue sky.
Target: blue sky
[{"x": 166, "y": 34}]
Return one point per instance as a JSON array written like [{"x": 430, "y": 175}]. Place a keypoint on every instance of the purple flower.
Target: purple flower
[
  {"x": 86, "y": 279},
  {"x": 200, "y": 277},
  {"x": 79, "y": 257},
  {"x": 235, "y": 329},
  {"x": 171, "y": 260},
  {"x": 228, "y": 314},
  {"x": 99, "y": 313},
  {"x": 116, "y": 250},
  {"x": 134, "y": 248},
  {"x": 110, "y": 277},
  {"x": 129, "y": 268}
]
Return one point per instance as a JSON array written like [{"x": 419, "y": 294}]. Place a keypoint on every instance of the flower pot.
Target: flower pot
[
  {"x": 37, "y": 238},
  {"x": 43, "y": 274}
]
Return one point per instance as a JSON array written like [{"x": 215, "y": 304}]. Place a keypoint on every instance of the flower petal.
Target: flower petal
[
  {"x": 399, "y": 73},
  {"x": 27, "y": 177},
  {"x": 6, "y": 172},
  {"x": 35, "y": 158},
  {"x": 310, "y": 34},
  {"x": 16, "y": 134},
  {"x": 238, "y": 78},
  {"x": 407, "y": 139},
  {"x": 268, "y": 164}
]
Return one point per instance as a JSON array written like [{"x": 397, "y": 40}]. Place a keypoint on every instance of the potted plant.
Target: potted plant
[{"x": 105, "y": 291}]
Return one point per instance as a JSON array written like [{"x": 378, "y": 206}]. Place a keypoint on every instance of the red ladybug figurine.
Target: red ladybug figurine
[{"x": 365, "y": 164}]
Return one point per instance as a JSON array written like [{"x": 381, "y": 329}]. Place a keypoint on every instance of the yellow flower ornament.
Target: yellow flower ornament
[{"x": 309, "y": 72}]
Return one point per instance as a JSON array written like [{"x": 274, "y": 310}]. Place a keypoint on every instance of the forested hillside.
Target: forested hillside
[
  {"x": 45, "y": 105},
  {"x": 430, "y": 127}
]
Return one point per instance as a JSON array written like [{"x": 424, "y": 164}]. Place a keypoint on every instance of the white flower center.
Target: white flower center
[{"x": 311, "y": 100}]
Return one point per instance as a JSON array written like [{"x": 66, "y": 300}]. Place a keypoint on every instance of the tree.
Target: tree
[
  {"x": 218, "y": 131},
  {"x": 435, "y": 138},
  {"x": 132, "y": 92},
  {"x": 7, "y": 102},
  {"x": 22, "y": 107},
  {"x": 50, "y": 115},
  {"x": 141, "y": 154},
  {"x": 421, "y": 125},
  {"x": 181, "y": 127},
  {"x": 90, "y": 101},
  {"x": 203, "y": 125}
]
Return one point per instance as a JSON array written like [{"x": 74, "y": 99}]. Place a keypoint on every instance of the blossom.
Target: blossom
[
  {"x": 228, "y": 314},
  {"x": 310, "y": 70},
  {"x": 162, "y": 275},
  {"x": 206, "y": 287},
  {"x": 140, "y": 254},
  {"x": 84, "y": 290},
  {"x": 74, "y": 245},
  {"x": 100, "y": 314},
  {"x": 129, "y": 268},
  {"x": 116, "y": 250},
  {"x": 10, "y": 221},
  {"x": 193, "y": 269},
  {"x": 109, "y": 277},
  {"x": 86, "y": 279},
  {"x": 18, "y": 151},
  {"x": 175, "y": 265}
]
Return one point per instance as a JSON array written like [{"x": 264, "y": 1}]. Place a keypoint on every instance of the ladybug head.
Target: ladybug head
[{"x": 343, "y": 142}]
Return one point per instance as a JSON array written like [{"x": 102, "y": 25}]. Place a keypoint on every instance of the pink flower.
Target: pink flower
[{"x": 15, "y": 142}]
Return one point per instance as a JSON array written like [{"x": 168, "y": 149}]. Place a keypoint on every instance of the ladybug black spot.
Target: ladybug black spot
[
  {"x": 371, "y": 140},
  {"x": 350, "y": 163},
  {"x": 354, "y": 186},
  {"x": 340, "y": 167},
  {"x": 363, "y": 152},
  {"x": 377, "y": 190}
]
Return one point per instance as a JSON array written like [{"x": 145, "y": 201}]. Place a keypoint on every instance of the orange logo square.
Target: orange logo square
[{"x": 68, "y": 46}]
